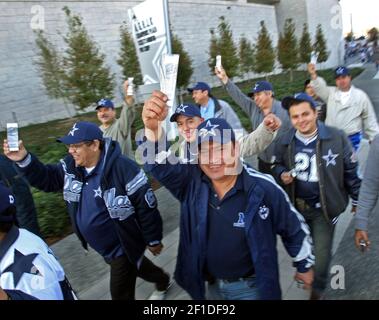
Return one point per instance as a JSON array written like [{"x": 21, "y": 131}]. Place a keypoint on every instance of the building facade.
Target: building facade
[{"x": 23, "y": 97}]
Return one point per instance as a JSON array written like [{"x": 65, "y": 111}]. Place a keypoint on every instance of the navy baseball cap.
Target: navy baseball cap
[
  {"x": 260, "y": 86},
  {"x": 6, "y": 200},
  {"x": 215, "y": 130},
  {"x": 82, "y": 131},
  {"x": 200, "y": 86},
  {"x": 341, "y": 71},
  {"x": 298, "y": 97},
  {"x": 105, "y": 103},
  {"x": 188, "y": 110}
]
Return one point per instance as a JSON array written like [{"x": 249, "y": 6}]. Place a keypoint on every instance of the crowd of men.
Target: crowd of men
[{"x": 230, "y": 213}]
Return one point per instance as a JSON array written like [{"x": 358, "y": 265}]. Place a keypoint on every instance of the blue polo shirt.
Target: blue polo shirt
[
  {"x": 208, "y": 111},
  {"x": 228, "y": 254},
  {"x": 93, "y": 219}
]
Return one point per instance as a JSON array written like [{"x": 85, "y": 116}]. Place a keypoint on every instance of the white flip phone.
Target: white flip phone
[{"x": 12, "y": 136}]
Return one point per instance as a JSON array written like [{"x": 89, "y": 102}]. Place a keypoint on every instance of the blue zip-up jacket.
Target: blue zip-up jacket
[
  {"x": 268, "y": 213},
  {"x": 128, "y": 196},
  {"x": 336, "y": 168}
]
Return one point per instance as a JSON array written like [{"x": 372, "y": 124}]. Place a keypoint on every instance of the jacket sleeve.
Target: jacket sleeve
[
  {"x": 351, "y": 180},
  {"x": 145, "y": 204},
  {"x": 48, "y": 178},
  {"x": 126, "y": 120},
  {"x": 321, "y": 88},
  {"x": 256, "y": 141},
  {"x": 370, "y": 123},
  {"x": 159, "y": 160},
  {"x": 279, "y": 165},
  {"x": 290, "y": 225},
  {"x": 247, "y": 104},
  {"x": 232, "y": 118},
  {"x": 369, "y": 192}
]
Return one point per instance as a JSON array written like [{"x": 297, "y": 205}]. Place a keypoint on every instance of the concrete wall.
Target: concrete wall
[
  {"x": 324, "y": 12},
  {"x": 23, "y": 97}
]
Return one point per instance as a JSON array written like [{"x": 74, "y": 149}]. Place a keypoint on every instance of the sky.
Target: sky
[{"x": 365, "y": 15}]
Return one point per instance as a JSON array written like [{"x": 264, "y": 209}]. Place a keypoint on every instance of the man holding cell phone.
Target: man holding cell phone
[{"x": 118, "y": 129}]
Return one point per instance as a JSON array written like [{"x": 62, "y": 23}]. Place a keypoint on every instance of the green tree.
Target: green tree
[
  {"x": 320, "y": 45},
  {"x": 264, "y": 52},
  {"x": 128, "y": 59},
  {"x": 185, "y": 69},
  {"x": 373, "y": 35},
  {"x": 287, "y": 48},
  {"x": 213, "y": 51},
  {"x": 305, "y": 45},
  {"x": 86, "y": 78},
  {"x": 349, "y": 37},
  {"x": 50, "y": 66},
  {"x": 224, "y": 46},
  {"x": 246, "y": 56}
]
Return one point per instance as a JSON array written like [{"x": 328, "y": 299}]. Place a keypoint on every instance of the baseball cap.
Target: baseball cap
[
  {"x": 188, "y": 110},
  {"x": 298, "y": 97},
  {"x": 200, "y": 86},
  {"x": 215, "y": 130},
  {"x": 105, "y": 103},
  {"x": 260, "y": 86},
  {"x": 6, "y": 200},
  {"x": 341, "y": 71},
  {"x": 82, "y": 131}
]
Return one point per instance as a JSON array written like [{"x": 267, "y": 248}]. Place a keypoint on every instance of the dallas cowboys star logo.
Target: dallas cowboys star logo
[
  {"x": 209, "y": 129},
  {"x": 97, "y": 192},
  {"x": 22, "y": 264},
  {"x": 72, "y": 131},
  {"x": 181, "y": 108},
  {"x": 330, "y": 158},
  {"x": 256, "y": 86}
]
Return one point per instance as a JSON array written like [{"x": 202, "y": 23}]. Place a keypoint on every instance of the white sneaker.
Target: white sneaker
[{"x": 160, "y": 295}]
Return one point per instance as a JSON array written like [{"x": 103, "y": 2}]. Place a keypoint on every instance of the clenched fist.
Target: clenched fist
[
  {"x": 272, "y": 122},
  {"x": 154, "y": 111}
]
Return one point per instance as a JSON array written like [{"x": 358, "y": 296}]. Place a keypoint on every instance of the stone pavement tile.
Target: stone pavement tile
[{"x": 295, "y": 293}]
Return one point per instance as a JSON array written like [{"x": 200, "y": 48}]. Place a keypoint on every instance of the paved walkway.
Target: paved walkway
[{"x": 89, "y": 275}]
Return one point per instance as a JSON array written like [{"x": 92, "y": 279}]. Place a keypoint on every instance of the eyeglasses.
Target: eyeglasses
[{"x": 77, "y": 146}]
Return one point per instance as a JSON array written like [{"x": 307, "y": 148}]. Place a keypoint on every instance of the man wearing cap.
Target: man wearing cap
[
  {"x": 188, "y": 118},
  {"x": 211, "y": 107},
  {"x": 230, "y": 215},
  {"x": 258, "y": 104},
  {"x": 315, "y": 163},
  {"x": 111, "y": 204},
  {"x": 28, "y": 268},
  {"x": 118, "y": 129},
  {"x": 349, "y": 108}
]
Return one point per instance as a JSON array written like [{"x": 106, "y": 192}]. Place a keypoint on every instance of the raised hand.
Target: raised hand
[
  {"x": 221, "y": 74},
  {"x": 154, "y": 111},
  {"x": 272, "y": 122},
  {"x": 15, "y": 155}
]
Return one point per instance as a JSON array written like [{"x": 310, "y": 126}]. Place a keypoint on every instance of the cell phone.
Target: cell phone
[
  {"x": 314, "y": 57},
  {"x": 363, "y": 245},
  {"x": 218, "y": 62},
  {"x": 130, "y": 90},
  {"x": 293, "y": 173},
  {"x": 12, "y": 136}
]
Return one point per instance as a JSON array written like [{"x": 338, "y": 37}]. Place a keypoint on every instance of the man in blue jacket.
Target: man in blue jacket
[
  {"x": 315, "y": 162},
  {"x": 230, "y": 214},
  {"x": 111, "y": 204}
]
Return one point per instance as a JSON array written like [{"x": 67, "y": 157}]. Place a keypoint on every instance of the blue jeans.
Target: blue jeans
[{"x": 245, "y": 289}]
